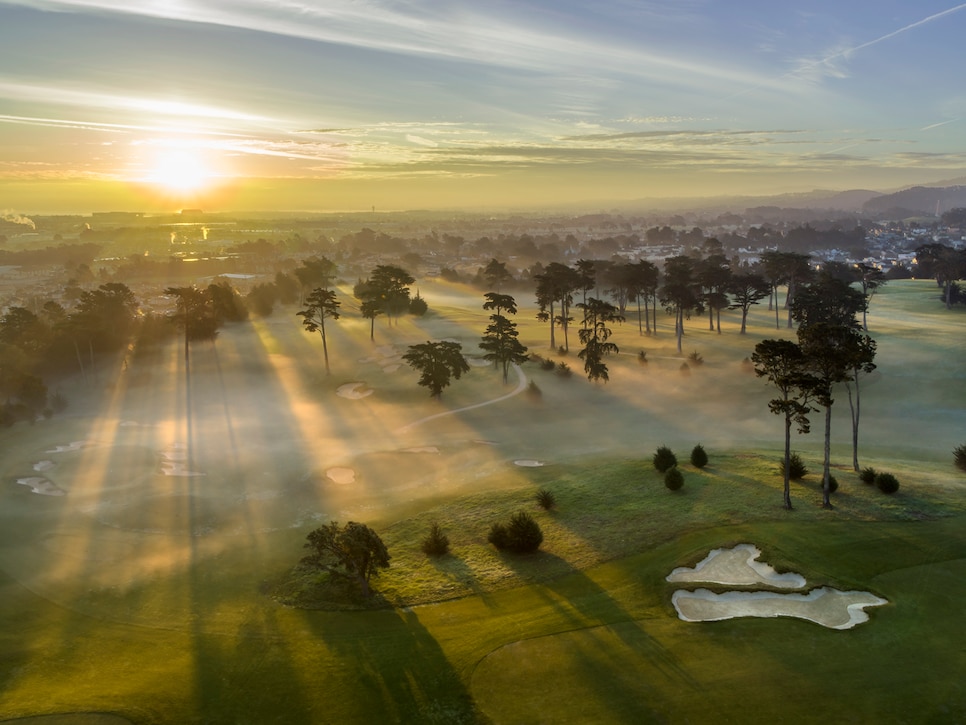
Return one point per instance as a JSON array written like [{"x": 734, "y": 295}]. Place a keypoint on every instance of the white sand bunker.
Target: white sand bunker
[
  {"x": 174, "y": 462},
  {"x": 72, "y": 446},
  {"x": 41, "y": 485},
  {"x": 353, "y": 391},
  {"x": 529, "y": 463},
  {"x": 341, "y": 475},
  {"x": 43, "y": 465},
  {"x": 736, "y": 567},
  {"x": 829, "y": 607}
]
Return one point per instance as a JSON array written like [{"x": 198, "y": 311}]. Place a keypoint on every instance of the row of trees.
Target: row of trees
[{"x": 831, "y": 349}]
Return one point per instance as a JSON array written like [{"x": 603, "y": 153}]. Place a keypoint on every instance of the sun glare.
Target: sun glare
[{"x": 180, "y": 170}]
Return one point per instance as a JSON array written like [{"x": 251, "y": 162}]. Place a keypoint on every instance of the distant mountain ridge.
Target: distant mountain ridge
[{"x": 924, "y": 200}]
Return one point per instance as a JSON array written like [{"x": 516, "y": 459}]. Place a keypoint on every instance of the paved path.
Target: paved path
[{"x": 521, "y": 386}]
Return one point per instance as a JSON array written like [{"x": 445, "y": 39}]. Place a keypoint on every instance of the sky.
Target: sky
[{"x": 350, "y": 105}]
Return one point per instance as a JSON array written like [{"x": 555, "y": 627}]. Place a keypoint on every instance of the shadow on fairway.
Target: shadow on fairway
[{"x": 394, "y": 669}]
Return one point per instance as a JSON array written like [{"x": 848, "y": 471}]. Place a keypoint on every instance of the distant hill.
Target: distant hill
[{"x": 919, "y": 200}]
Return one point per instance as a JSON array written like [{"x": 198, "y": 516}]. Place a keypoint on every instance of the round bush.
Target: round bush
[
  {"x": 887, "y": 483},
  {"x": 959, "y": 457},
  {"x": 523, "y": 533},
  {"x": 699, "y": 457},
  {"x": 796, "y": 467},
  {"x": 673, "y": 479},
  {"x": 867, "y": 475},
  {"x": 664, "y": 459},
  {"x": 498, "y": 536},
  {"x": 418, "y": 306},
  {"x": 436, "y": 542}
]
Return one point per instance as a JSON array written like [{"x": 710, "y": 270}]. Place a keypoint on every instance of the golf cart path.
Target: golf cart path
[{"x": 521, "y": 386}]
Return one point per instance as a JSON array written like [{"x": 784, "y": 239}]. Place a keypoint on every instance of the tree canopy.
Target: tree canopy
[
  {"x": 438, "y": 363},
  {"x": 353, "y": 550}
]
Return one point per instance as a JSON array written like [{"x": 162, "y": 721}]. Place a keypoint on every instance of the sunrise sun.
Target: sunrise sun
[{"x": 180, "y": 170}]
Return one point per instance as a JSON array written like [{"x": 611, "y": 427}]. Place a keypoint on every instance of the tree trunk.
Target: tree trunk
[
  {"x": 718, "y": 318},
  {"x": 788, "y": 460},
  {"x": 744, "y": 320},
  {"x": 679, "y": 327},
  {"x": 855, "y": 409},
  {"x": 826, "y": 463},
  {"x": 640, "y": 324},
  {"x": 325, "y": 347},
  {"x": 777, "y": 323}
]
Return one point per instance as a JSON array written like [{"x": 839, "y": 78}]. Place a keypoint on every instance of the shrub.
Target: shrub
[
  {"x": 545, "y": 499},
  {"x": 533, "y": 391},
  {"x": 867, "y": 475},
  {"x": 695, "y": 357},
  {"x": 521, "y": 536},
  {"x": 673, "y": 479},
  {"x": 887, "y": 483},
  {"x": 436, "y": 542},
  {"x": 642, "y": 357},
  {"x": 699, "y": 456},
  {"x": 664, "y": 459},
  {"x": 685, "y": 369},
  {"x": 561, "y": 351},
  {"x": 959, "y": 457},
  {"x": 563, "y": 370},
  {"x": 833, "y": 483},
  {"x": 796, "y": 467},
  {"x": 547, "y": 364},
  {"x": 418, "y": 306}
]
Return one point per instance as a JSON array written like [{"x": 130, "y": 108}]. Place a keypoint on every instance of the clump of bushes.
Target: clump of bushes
[
  {"x": 673, "y": 479},
  {"x": 418, "y": 306},
  {"x": 796, "y": 467},
  {"x": 547, "y": 364},
  {"x": 867, "y": 475},
  {"x": 436, "y": 542},
  {"x": 521, "y": 535},
  {"x": 642, "y": 358},
  {"x": 699, "y": 456},
  {"x": 887, "y": 483},
  {"x": 545, "y": 499},
  {"x": 959, "y": 457},
  {"x": 563, "y": 370},
  {"x": 664, "y": 459}
]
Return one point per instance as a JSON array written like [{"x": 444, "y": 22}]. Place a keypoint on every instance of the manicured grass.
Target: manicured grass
[{"x": 152, "y": 597}]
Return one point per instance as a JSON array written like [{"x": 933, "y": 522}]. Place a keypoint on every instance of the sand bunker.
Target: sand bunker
[
  {"x": 421, "y": 449},
  {"x": 174, "y": 462},
  {"x": 353, "y": 391},
  {"x": 529, "y": 463},
  {"x": 341, "y": 475},
  {"x": 72, "y": 446},
  {"x": 736, "y": 567},
  {"x": 829, "y": 607},
  {"x": 41, "y": 485},
  {"x": 43, "y": 465}
]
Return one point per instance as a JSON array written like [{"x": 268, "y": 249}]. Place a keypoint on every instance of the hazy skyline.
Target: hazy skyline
[{"x": 301, "y": 105}]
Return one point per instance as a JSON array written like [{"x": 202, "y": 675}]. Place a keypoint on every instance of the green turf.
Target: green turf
[{"x": 157, "y": 598}]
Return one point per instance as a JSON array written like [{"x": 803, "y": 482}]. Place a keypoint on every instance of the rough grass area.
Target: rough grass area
[{"x": 605, "y": 510}]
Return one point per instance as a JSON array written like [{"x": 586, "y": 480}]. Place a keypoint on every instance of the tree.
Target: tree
[
  {"x": 320, "y": 305},
  {"x": 830, "y": 339},
  {"x": 679, "y": 295},
  {"x": 784, "y": 364},
  {"x": 714, "y": 276},
  {"x": 498, "y": 302},
  {"x": 861, "y": 364},
  {"x": 557, "y": 284},
  {"x": 594, "y": 337},
  {"x": 437, "y": 363},
  {"x": 870, "y": 278},
  {"x": 747, "y": 289},
  {"x": 390, "y": 287},
  {"x": 501, "y": 344},
  {"x": 192, "y": 314},
  {"x": 354, "y": 551},
  {"x": 496, "y": 275},
  {"x": 314, "y": 273}
]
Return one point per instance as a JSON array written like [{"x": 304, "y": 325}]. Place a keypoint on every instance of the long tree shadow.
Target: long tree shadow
[{"x": 393, "y": 667}]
